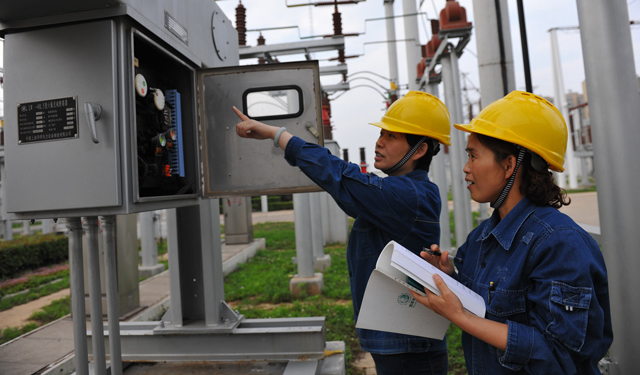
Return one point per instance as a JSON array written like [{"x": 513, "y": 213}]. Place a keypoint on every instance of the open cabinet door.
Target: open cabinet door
[{"x": 286, "y": 94}]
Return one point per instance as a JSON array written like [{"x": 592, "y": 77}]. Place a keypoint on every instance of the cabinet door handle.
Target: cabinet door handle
[{"x": 93, "y": 112}]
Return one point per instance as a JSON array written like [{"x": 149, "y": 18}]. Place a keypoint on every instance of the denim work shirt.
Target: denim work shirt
[
  {"x": 550, "y": 287},
  {"x": 405, "y": 209}
]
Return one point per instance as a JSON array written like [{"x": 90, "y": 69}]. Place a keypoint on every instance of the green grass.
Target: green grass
[
  {"x": 56, "y": 310},
  {"x": 35, "y": 293},
  {"x": 11, "y": 333},
  {"x": 260, "y": 289},
  {"x": 35, "y": 284}
]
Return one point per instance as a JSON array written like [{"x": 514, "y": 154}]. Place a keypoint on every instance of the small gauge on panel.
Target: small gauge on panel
[
  {"x": 158, "y": 99},
  {"x": 141, "y": 85}
]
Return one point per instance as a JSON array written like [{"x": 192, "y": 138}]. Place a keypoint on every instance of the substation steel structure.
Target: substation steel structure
[
  {"x": 447, "y": 54},
  {"x": 124, "y": 106}
]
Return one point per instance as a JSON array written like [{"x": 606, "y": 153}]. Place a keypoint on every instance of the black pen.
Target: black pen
[
  {"x": 492, "y": 287},
  {"x": 437, "y": 253}
]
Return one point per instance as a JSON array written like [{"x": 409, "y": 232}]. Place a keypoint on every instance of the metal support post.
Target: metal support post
[
  {"x": 320, "y": 260},
  {"x": 439, "y": 172},
  {"x": 495, "y": 57},
  {"x": 95, "y": 295},
  {"x": 7, "y": 227},
  {"x": 304, "y": 245},
  {"x": 613, "y": 106},
  {"x": 317, "y": 241},
  {"x": 560, "y": 102},
  {"x": 212, "y": 275},
  {"x": 461, "y": 143},
  {"x": 494, "y": 48},
  {"x": 149, "y": 245},
  {"x": 458, "y": 185},
  {"x": 74, "y": 225},
  {"x": 305, "y": 280},
  {"x": 111, "y": 279},
  {"x": 26, "y": 227},
  {"x": 413, "y": 46},
  {"x": 175, "y": 311},
  {"x": 47, "y": 226},
  {"x": 264, "y": 202},
  {"x": 392, "y": 52}
]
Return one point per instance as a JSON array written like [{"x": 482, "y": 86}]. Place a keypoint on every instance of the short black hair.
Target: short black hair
[{"x": 425, "y": 161}]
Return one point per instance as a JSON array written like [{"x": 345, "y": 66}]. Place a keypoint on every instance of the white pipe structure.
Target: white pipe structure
[
  {"x": 411, "y": 31},
  {"x": 317, "y": 234},
  {"x": 462, "y": 143},
  {"x": 304, "y": 245},
  {"x": 561, "y": 103},
  {"x": 7, "y": 227},
  {"x": 439, "y": 173},
  {"x": 148, "y": 243},
  {"x": 614, "y": 107},
  {"x": 47, "y": 226},
  {"x": 462, "y": 216},
  {"x": 95, "y": 295},
  {"x": 113, "y": 302},
  {"x": 176, "y": 317},
  {"x": 495, "y": 58},
  {"x": 392, "y": 52},
  {"x": 264, "y": 202},
  {"x": 76, "y": 280},
  {"x": 495, "y": 63}
]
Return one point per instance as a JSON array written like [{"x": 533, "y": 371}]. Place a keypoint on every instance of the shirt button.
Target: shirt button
[
  {"x": 483, "y": 265},
  {"x": 498, "y": 309}
]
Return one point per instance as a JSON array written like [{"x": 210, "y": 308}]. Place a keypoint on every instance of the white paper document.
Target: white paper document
[
  {"x": 388, "y": 306},
  {"x": 422, "y": 271}
]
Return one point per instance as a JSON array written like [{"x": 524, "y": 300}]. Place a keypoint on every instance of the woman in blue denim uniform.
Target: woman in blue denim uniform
[
  {"x": 543, "y": 278},
  {"x": 404, "y": 207}
]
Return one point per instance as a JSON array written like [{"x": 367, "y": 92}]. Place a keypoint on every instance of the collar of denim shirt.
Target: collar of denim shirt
[{"x": 505, "y": 230}]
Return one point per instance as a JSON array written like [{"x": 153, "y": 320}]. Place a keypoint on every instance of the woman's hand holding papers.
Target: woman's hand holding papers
[{"x": 442, "y": 262}]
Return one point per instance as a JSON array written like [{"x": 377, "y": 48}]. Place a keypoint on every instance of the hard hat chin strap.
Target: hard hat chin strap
[
  {"x": 495, "y": 205},
  {"x": 405, "y": 158}
]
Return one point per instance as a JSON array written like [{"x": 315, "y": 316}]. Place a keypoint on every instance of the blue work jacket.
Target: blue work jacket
[
  {"x": 550, "y": 287},
  {"x": 405, "y": 209}
]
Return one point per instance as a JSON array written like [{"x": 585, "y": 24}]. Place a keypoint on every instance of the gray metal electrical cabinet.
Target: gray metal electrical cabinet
[{"x": 116, "y": 107}]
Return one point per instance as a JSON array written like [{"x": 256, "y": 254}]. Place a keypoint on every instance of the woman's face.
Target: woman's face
[
  {"x": 391, "y": 147},
  {"x": 484, "y": 176}
]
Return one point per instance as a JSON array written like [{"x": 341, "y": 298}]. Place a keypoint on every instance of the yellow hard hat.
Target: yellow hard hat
[
  {"x": 418, "y": 113},
  {"x": 526, "y": 120}
]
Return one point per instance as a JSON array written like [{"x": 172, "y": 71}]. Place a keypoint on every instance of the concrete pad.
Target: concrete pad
[
  {"x": 322, "y": 263},
  {"x": 146, "y": 272},
  {"x": 334, "y": 364},
  {"x": 311, "y": 285}
]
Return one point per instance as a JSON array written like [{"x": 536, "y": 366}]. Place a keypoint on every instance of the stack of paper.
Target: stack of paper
[{"x": 422, "y": 271}]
